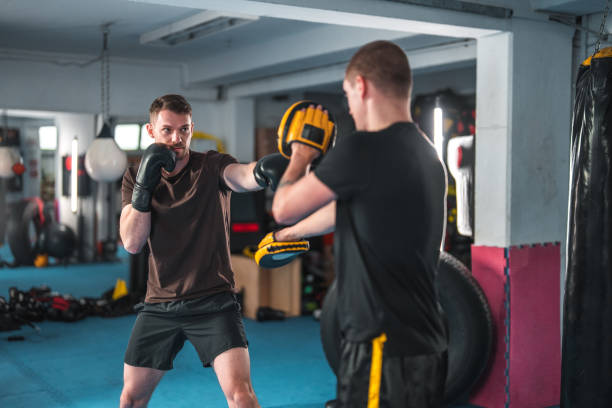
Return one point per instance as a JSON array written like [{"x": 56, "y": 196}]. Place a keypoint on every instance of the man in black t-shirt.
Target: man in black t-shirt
[{"x": 383, "y": 190}]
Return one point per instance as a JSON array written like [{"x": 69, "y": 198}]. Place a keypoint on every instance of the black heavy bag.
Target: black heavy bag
[{"x": 587, "y": 320}]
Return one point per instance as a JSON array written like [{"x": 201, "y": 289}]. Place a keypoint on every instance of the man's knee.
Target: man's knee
[
  {"x": 138, "y": 385},
  {"x": 242, "y": 396},
  {"x": 126, "y": 401},
  {"x": 131, "y": 399}
]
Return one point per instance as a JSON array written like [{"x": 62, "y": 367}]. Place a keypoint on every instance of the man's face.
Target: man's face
[
  {"x": 355, "y": 102},
  {"x": 172, "y": 129}
]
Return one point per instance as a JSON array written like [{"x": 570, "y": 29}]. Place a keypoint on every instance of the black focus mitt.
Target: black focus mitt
[{"x": 273, "y": 254}]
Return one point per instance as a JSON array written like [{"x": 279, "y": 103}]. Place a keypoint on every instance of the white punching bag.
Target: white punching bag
[
  {"x": 9, "y": 156},
  {"x": 104, "y": 160}
]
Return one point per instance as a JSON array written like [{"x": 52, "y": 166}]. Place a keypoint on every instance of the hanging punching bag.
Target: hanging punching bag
[{"x": 587, "y": 320}]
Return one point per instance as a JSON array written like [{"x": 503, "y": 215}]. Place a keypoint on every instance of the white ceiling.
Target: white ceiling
[
  {"x": 74, "y": 27},
  {"x": 289, "y": 37}
]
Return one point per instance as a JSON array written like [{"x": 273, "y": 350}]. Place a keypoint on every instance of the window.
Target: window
[
  {"x": 127, "y": 136},
  {"x": 145, "y": 139},
  {"x": 47, "y": 137}
]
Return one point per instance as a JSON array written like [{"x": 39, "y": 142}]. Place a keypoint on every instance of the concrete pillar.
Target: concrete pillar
[
  {"x": 523, "y": 117},
  {"x": 82, "y": 126},
  {"x": 523, "y": 125},
  {"x": 493, "y": 137},
  {"x": 31, "y": 159}
]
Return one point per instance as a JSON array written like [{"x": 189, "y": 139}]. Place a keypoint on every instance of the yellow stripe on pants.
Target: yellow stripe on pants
[{"x": 376, "y": 370}]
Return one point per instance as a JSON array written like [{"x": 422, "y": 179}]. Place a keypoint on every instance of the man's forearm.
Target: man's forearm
[
  {"x": 299, "y": 195},
  {"x": 320, "y": 222},
  {"x": 134, "y": 228},
  {"x": 240, "y": 178},
  {"x": 295, "y": 171}
]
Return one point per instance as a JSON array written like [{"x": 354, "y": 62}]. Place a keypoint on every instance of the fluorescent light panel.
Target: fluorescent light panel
[
  {"x": 196, "y": 26},
  {"x": 439, "y": 130},
  {"x": 74, "y": 174}
]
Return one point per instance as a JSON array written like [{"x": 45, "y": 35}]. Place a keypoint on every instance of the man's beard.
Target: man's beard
[{"x": 182, "y": 153}]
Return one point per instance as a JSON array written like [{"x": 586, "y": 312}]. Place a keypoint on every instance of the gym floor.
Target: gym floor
[{"x": 80, "y": 364}]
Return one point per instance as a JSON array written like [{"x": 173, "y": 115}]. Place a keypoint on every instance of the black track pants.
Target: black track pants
[{"x": 370, "y": 378}]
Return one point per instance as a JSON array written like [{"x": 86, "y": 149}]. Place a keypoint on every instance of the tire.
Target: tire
[
  {"x": 469, "y": 322},
  {"x": 330, "y": 328},
  {"x": 470, "y": 327},
  {"x": 23, "y": 229}
]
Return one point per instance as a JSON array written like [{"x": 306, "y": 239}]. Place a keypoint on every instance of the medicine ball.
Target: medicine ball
[{"x": 57, "y": 240}]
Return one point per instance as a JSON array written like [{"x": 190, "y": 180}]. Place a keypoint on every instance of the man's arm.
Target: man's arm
[
  {"x": 135, "y": 221},
  {"x": 320, "y": 222},
  {"x": 134, "y": 228},
  {"x": 239, "y": 177},
  {"x": 298, "y": 196},
  {"x": 266, "y": 172}
]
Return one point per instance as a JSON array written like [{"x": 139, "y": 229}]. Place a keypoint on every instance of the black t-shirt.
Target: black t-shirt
[{"x": 390, "y": 215}]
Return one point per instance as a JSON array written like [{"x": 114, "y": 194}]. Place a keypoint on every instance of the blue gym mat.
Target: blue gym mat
[{"x": 81, "y": 364}]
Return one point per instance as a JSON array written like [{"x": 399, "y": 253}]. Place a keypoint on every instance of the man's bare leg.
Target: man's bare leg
[
  {"x": 233, "y": 371},
  {"x": 138, "y": 385}
]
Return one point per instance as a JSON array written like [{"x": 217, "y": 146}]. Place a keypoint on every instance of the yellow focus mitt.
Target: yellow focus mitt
[
  {"x": 303, "y": 123},
  {"x": 273, "y": 254}
]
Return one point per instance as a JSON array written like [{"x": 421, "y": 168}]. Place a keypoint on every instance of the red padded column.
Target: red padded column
[
  {"x": 488, "y": 268},
  {"x": 522, "y": 285}
]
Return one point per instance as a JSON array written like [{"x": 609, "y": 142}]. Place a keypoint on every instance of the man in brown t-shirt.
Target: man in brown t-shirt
[{"x": 177, "y": 201}]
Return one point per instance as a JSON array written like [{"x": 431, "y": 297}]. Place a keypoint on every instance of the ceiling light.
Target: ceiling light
[{"x": 197, "y": 26}]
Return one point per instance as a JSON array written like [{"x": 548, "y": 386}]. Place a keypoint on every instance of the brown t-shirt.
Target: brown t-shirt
[{"x": 190, "y": 221}]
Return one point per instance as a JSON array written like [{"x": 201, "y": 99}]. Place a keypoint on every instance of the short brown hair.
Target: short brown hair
[
  {"x": 173, "y": 103},
  {"x": 386, "y": 65}
]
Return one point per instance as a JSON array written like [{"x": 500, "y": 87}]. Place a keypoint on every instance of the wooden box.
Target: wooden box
[{"x": 279, "y": 288}]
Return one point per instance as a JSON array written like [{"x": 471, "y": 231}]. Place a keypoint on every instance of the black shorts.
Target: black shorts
[
  {"x": 213, "y": 324},
  {"x": 371, "y": 378}
]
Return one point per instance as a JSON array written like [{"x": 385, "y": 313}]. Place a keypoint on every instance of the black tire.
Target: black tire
[
  {"x": 470, "y": 327},
  {"x": 469, "y": 322},
  {"x": 23, "y": 229},
  {"x": 330, "y": 328}
]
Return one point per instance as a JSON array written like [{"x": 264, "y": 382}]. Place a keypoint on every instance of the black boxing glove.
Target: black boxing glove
[
  {"x": 154, "y": 158},
  {"x": 269, "y": 170}
]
